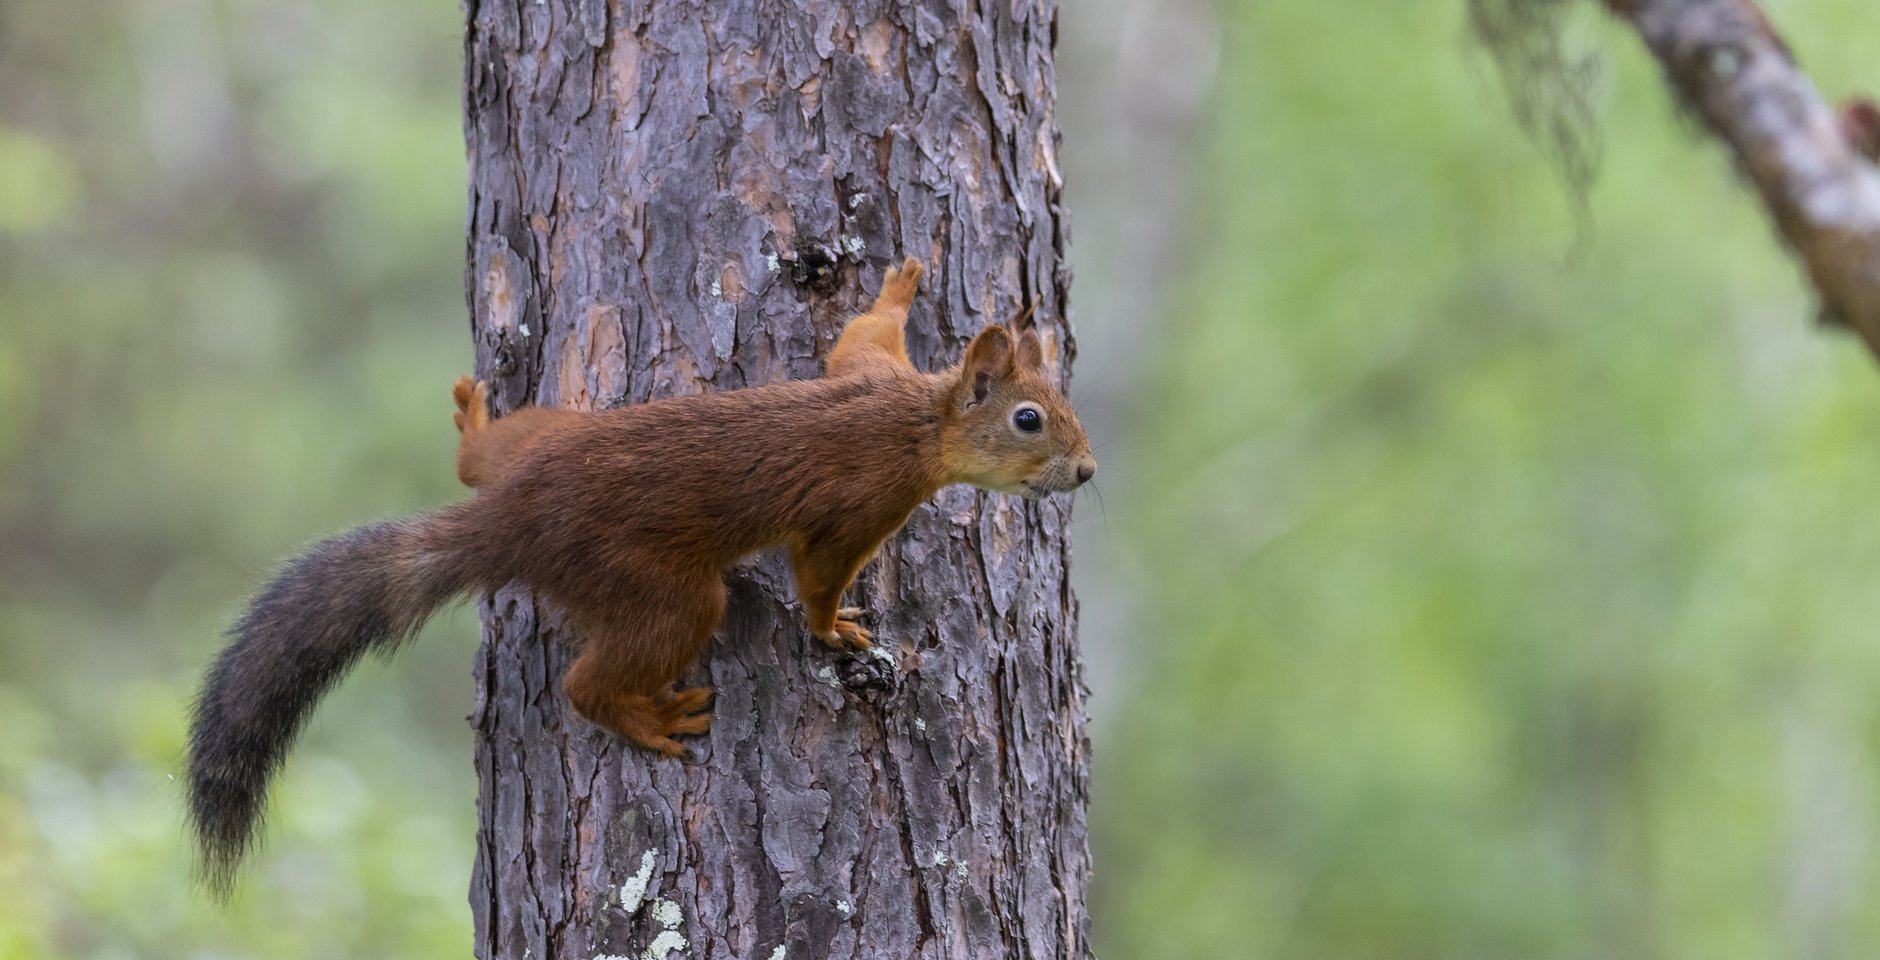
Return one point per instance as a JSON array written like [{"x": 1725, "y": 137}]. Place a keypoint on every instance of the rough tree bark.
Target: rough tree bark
[{"x": 678, "y": 196}]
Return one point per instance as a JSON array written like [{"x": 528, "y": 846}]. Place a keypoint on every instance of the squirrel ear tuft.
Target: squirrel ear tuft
[
  {"x": 988, "y": 358},
  {"x": 1030, "y": 350}
]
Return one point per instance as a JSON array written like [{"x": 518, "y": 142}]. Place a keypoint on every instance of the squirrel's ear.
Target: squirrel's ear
[
  {"x": 1030, "y": 350},
  {"x": 988, "y": 358}
]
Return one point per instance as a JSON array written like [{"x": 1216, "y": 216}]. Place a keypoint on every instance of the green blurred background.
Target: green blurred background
[{"x": 1472, "y": 579}]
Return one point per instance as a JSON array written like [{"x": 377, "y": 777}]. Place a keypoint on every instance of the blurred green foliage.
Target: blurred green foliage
[
  {"x": 1509, "y": 591},
  {"x": 231, "y": 304},
  {"x": 1502, "y": 581}
]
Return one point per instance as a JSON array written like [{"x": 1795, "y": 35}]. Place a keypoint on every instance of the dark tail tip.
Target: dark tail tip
[
  {"x": 227, "y": 786},
  {"x": 223, "y": 813},
  {"x": 354, "y": 593}
]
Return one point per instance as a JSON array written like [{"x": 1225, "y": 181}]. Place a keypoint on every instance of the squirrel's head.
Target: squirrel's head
[{"x": 1008, "y": 429}]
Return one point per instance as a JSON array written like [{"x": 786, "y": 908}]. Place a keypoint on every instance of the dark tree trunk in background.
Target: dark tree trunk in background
[{"x": 680, "y": 196}]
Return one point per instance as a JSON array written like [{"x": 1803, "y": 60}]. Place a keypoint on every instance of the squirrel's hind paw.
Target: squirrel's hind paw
[
  {"x": 665, "y": 746},
  {"x": 899, "y": 283},
  {"x": 678, "y": 703},
  {"x": 694, "y": 723},
  {"x": 472, "y": 397}
]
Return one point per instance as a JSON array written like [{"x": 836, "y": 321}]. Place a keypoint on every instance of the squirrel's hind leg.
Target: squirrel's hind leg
[
  {"x": 472, "y": 397},
  {"x": 624, "y": 678},
  {"x": 488, "y": 447}
]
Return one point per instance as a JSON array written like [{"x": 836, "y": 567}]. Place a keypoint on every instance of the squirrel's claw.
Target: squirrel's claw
[{"x": 846, "y": 635}]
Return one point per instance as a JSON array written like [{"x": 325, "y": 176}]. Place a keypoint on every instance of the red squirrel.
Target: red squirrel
[{"x": 628, "y": 519}]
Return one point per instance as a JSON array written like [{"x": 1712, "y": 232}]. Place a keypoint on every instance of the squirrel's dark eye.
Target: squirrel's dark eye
[{"x": 1028, "y": 420}]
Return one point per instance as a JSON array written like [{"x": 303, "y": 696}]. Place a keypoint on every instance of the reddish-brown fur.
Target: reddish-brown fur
[
  {"x": 877, "y": 339},
  {"x": 628, "y": 518}
]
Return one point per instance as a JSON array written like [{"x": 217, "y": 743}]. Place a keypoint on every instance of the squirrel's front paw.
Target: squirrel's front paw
[{"x": 846, "y": 634}]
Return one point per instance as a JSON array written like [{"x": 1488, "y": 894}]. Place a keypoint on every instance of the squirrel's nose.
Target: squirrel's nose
[{"x": 1086, "y": 470}]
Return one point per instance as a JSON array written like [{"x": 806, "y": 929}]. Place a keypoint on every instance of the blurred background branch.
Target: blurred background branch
[{"x": 1727, "y": 64}]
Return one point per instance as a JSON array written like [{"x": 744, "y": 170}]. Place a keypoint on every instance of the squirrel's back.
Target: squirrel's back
[{"x": 708, "y": 478}]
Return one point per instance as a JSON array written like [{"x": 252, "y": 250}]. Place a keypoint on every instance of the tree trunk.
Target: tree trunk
[{"x": 683, "y": 196}]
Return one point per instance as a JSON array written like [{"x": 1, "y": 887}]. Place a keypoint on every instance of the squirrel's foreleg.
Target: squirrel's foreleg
[
  {"x": 878, "y": 339},
  {"x": 823, "y": 572}
]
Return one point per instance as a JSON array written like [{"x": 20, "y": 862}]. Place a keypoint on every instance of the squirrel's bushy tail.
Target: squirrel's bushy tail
[{"x": 365, "y": 590}]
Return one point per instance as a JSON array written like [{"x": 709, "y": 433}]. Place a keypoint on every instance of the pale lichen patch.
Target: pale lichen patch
[
  {"x": 633, "y": 892},
  {"x": 667, "y": 914},
  {"x": 663, "y": 945}
]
